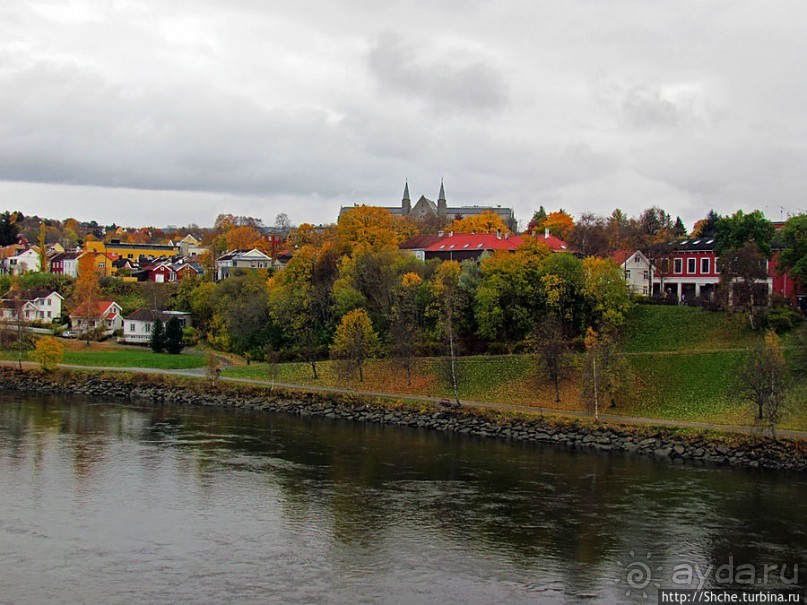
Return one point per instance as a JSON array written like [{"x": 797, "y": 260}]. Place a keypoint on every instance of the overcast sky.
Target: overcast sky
[{"x": 157, "y": 112}]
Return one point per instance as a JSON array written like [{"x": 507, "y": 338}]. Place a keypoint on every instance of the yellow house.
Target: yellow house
[
  {"x": 102, "y": 262},
  {"x": 133, "y": 251}
]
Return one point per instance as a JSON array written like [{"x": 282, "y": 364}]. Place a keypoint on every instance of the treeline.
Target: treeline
[{"x": 351, "y": 285}]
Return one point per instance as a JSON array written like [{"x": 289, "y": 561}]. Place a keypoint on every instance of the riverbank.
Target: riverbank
[{"x": 697, "y": 446}]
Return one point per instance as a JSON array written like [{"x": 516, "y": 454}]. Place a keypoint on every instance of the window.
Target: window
[
  {"x": 644, "y": 290},
  {"x": 148, "y": 327},
  {"x": 692, "y": 265},
  {"x": 627, "y": 273},
  {"x": 705, "y": 265},
  {"x": 717, "y": 265},
  {"x": 678, "y": 265},
  {"x": 636, "y": 259},
  {"x": 131, "y": 327},
  {"x": 49, "y": 301},
  {"x": 49, "y": 315},
  {"x": 645, "y": 275}
]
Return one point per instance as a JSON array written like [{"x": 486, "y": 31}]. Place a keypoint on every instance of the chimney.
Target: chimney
[
  {"x": 441, "y": 233},
  {"x": 534, "y": 233},
  {"x": 498, "y": 234},
  {"x": 450, "y": 234},
  {"x": 506, "y": 235},
  {"x": 546, "y": 233}
]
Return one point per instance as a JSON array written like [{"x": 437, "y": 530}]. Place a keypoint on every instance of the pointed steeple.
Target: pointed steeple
[
  {"x": 406, "y": 203},
  {"x": 441, "y": 201}
]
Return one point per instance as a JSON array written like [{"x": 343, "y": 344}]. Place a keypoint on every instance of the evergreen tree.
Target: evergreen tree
[
  {"x": 157, "y": 341},
  {"x": 173, "y": 336},
  {"x": 679, "y": 230}
]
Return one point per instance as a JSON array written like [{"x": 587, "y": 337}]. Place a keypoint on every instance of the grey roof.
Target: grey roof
[
  {"x": 406, "y": 191},
  {"x": 147, "y": 315}
]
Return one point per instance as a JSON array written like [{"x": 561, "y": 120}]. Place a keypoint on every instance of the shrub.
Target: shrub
[{"x": 48, "y": 352}]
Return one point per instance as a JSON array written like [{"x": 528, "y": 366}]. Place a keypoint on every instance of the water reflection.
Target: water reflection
[{"x": 171, "y": 504}]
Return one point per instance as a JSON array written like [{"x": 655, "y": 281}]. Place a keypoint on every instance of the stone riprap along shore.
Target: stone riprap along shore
[{"x": 697, "y": 446}]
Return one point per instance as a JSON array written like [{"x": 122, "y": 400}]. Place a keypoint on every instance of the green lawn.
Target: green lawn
[
  {"x": 678, "y": 328},
  {"x": 123, "y": 358}
]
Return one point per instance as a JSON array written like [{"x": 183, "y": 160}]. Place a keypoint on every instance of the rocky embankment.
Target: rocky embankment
[{"x": 752, "y": 451}]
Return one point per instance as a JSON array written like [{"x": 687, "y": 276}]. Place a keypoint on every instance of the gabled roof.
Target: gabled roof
[
  {"x": 474, "y": 241},
  {"x": 102, "y": 308},
  {"x": 32, "y": 294},
  {"x": 146, "y": 315},
  {"x": 248, "y": 254}
]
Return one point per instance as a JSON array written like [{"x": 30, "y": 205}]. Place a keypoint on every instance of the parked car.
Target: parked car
[{"x": 68, "y": 334}]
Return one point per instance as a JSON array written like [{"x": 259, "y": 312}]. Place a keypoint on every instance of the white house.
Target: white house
[
  {"x": 637, "y": 269},
  {"x": 241, "y": 259},
  {"x": 137, "y": 326},
  {"x": 105, "y": 315},
  {"x": 39, "y": 304},
  {"x": 23, "y": 262}
]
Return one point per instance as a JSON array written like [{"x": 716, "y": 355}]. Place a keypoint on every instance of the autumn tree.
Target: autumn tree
[
  {"x": 365, "y": 228},
  {"x": 48, "y": 353},
  {"x": 404, "y": 328},
  {"x": 446, "y": 292},
  {"x": 560, "y": 224},
  {"x": 764, "y": 380},
  {"x": 605, "y": 293},
  {"x": 355, "y": 341},
  {"x": 241, "y": 321},
  {"x": 242, "y": 238},
  {"x": 87, "y": 294},
  {"x": 485, "y": 222}
]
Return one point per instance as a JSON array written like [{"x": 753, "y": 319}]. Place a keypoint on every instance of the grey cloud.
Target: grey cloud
[{"x": 448, "y": 86}]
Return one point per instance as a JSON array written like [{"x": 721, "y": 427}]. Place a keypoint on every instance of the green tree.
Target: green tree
[
  {"x": 241, "y": 319},
  {"x": 764, "y": 381},
  {"x": 157, "y": 340},
  {"x": 173, "y": 336},
  {"x": 793, "y": 256},
  {"x": 9, "y": 227},
  {"x": 355, "y": 341},
  {"x": 735, "y": 231},
  {"x": 605, "y": 293}
]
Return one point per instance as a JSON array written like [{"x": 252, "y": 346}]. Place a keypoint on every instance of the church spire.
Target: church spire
[
  {"x": 406, "y": 203},
  {"x": 442, "y": 206}
]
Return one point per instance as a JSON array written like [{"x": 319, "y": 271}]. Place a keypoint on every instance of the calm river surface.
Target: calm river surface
[{"x": 103, "y": 503}]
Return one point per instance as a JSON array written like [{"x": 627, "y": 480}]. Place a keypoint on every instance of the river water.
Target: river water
[{"x": 106, "y": 503}]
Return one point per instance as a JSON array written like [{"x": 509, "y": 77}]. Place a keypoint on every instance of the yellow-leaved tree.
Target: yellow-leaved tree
[
  {"x": 355, "y": 341},
  {"x": 48, "y": 353},
  {"x": 486, "y": 222}
]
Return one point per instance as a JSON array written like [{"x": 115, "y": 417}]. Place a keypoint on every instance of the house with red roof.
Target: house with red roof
[
  {"x": 464, "y": 246},
  {"x": 104, "y": 316}
]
